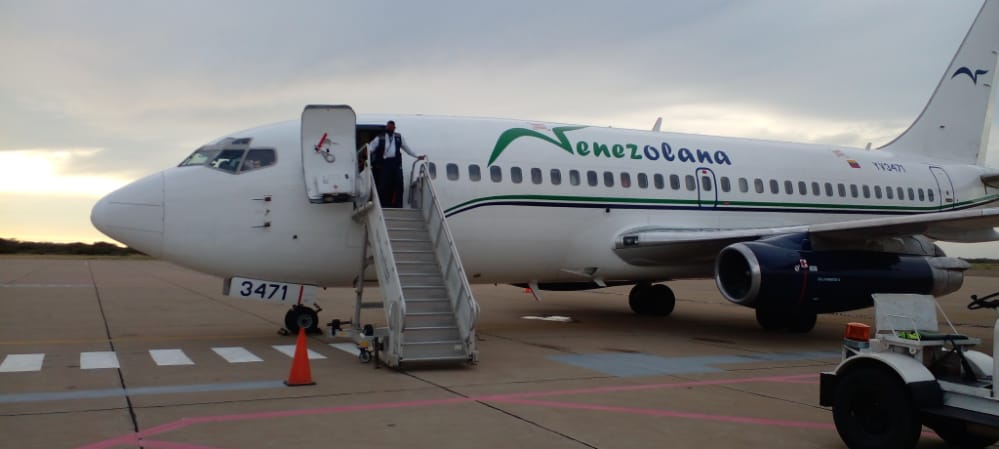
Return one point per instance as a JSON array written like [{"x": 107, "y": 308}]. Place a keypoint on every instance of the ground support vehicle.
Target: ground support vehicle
[{"x": 909, "y": 375}]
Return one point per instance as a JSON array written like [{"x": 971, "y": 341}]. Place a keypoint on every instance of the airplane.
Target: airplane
[{"x": 790, "y": 230}]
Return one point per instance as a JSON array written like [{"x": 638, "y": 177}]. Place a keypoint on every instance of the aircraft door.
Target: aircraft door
[
  {"x": 945, "y": 188},
  {"x": 707, "y": 188},
  {"x": 329, "y": 156}
]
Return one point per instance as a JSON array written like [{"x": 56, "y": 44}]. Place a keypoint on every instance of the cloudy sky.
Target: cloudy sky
[{"x": 94, "y": 94}]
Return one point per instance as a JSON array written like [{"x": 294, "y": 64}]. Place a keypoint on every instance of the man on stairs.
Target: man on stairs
[{"x": 386, "y": 163}]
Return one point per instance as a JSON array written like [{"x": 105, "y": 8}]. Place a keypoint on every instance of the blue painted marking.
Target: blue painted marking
[
  {"x": 638, "y": 365},
  {"x": 141, "y": 391}
]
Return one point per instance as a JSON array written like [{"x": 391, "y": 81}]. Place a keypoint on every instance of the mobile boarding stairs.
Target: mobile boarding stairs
[{"x": 429, "y": 308}]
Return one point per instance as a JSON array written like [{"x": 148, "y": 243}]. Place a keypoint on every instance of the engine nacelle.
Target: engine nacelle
[{"x": 786, "y": 271}]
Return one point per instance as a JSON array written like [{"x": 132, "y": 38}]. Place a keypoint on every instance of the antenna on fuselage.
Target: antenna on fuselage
[{"x": 659, "y": 123}]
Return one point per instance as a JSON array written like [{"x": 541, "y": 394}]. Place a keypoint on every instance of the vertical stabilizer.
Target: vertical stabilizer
[{"x": 954, "y": 125}]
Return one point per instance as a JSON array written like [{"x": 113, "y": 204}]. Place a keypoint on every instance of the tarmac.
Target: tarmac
[{"x": 124, "y": 353}]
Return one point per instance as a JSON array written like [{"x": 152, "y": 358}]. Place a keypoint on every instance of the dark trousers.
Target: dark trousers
[{"x": 388, "y": 180}]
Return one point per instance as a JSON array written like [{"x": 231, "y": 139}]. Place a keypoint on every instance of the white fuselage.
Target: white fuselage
[{"x": 544, "y": 229}]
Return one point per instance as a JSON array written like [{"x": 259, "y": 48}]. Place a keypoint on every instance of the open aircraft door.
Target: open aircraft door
[{"x": 329, "y": 153}]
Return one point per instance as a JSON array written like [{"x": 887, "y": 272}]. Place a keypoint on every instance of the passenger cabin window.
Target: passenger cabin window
[
  {"x": 912, "y": 194},
  {"x": 901, "y": 193},
  {"x": 890, "y": 193},
  {"x": 816, "y": 191},
  {"x": 829, "y": 189},
  {"x": 556, "y": 176},
  {"x": 591, "y": 178},
  {"x": 726, "y": 185},
  {"x": 643, "y": 181},
  {"x": 842, "y": 189},
  {"x": 921, "y": 196},
  {"x": 659, "y": 181},
  {"x": 536, "y": 175},
  {"x": 774, "y": 186},
  {"x": 758, "y": 184},
  {"x": 674, "y": 182},
  {"x": 452, "y": 172},
  {"x": 929, "y": 195},
  {"x": 691, "y": 182},
  {"x": 866, "y": 190},
  {"x": 608, "y": 179},
  {"x": 802, "y": 188},
  {"x": 496, "y": 174},
  {"x": 743, "y": 185},
  {"x": 706, "y": 183},
  {"x": 789, "y": 187},
  {"x": 625, "y": 180},
  {"x": 516, "y": 176},
  {"x": 432, "y": 168},
  {"x": 574, "y": 177},
  {"x": 474, "y": 173},
  {"x": 877, "y": 192}
]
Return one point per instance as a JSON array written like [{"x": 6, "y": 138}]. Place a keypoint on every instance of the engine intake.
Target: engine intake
[{"x": 784, "y": 270}]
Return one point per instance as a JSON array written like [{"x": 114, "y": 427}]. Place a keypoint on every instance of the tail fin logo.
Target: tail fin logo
[{"x": 967, "y": 71}]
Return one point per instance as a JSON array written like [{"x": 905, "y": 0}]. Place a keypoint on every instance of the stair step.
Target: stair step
[
  {"x": 427, "y": 320},
  {"x": 455, "y": 358},
  {"x": 430, "y": 333},
  {"x": 436, "y": 342}
]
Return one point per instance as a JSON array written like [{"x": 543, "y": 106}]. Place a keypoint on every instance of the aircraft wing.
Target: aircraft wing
[{"x": 653, "y": 245}]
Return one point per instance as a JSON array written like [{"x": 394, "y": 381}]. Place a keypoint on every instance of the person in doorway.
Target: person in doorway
[{"x": 386, "y": 163}]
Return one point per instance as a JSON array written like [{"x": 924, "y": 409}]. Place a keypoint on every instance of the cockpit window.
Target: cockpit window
[
  {"x": 257, "y": 158},
  {"x": 201, "y": 156},
  {"x": 232, "y": 156},
  {"x": 227, "y": 160}
]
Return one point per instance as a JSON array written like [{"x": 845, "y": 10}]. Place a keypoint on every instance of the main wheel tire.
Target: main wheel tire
[
  {"x": 802, "y": 322},
  {"x": 771, "y": 318},
  {"x": 873, "y": 409},
  {"x": 300, "y": 317},
  {"x": 638, "y": 298},
  {"x": 955, "y": 435},
  {"x": 662, "y": 300}
]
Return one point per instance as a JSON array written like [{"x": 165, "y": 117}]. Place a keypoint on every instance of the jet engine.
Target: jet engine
[{"x": 786, "y": 271}]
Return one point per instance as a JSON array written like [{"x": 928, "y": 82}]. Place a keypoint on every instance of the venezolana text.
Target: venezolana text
[{"x": 584, "y": 148}]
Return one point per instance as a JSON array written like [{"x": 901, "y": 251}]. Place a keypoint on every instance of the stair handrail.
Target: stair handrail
[
  {"x": 463, "y": 304},
  {"x": 388, "y": 276}
]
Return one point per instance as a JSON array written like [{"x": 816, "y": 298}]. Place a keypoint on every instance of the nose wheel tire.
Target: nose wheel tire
[{"x": 301, "y": 317}]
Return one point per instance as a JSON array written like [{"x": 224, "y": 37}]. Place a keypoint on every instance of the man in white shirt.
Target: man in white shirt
[{"x": 386, "y": 163}]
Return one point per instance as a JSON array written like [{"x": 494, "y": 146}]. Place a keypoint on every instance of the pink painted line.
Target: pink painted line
[
  {"x": 675, "y": 414},
  {"x": 171, "y": 445},
  {"x": 620, "y": 388},
  {"x": 804, "y": 382},
  {"x": 186, "y": 422}
]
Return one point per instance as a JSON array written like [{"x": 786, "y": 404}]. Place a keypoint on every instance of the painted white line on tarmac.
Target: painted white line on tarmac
[
  {"x": 237, "y": 354},
  {"x": 170, "y": 357},
  {"x": 98, "y": 360},
  {"x": 289, "y": 350},
  {"x": 349, "y": 348},
  {"x": 19, "y": 363}
]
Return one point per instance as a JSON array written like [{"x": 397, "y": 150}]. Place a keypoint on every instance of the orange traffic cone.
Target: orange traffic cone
[{"x": 301, "y": 373}]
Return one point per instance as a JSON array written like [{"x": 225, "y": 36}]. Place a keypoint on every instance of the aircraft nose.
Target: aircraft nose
[{"x": 133, "y": 214}]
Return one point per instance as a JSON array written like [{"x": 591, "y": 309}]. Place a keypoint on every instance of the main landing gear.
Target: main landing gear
[
  {"x": 781, "y": 317},
  {"x": 300, "y": 317},
  {"x": 653, "y": 300}
]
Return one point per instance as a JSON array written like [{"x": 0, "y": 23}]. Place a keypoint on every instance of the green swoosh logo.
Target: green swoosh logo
[{"x": 512, "y": 134}]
